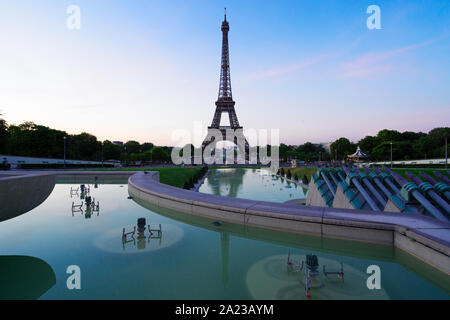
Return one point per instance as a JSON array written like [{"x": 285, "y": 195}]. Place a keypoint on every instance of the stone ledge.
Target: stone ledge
[
  {"x": 359, "y": 225},
  {"x": 21, "y": 194}
]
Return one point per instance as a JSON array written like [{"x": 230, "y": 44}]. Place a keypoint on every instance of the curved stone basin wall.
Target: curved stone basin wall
[
  {"x": 425, "y": 238},
  {"x": 22, "y": 190},
  {"x": 20, "y": 194}
]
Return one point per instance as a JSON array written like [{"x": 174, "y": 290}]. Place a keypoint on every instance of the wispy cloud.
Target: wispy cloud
[
  {"x": 378, "y": 62},
  {"x": 305, "y": 63},
  {"x": 277, "y": 71}
]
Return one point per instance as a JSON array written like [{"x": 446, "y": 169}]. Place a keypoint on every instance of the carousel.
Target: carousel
[{"x": 358, "y": 155}]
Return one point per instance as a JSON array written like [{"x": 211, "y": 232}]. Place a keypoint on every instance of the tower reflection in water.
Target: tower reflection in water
[
  {"x": 229, "y": 182},
  {"x": 225, "y": 246}
]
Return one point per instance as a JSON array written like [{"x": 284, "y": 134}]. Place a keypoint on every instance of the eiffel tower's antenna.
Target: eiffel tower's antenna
[{"x": 225, "y": 79}]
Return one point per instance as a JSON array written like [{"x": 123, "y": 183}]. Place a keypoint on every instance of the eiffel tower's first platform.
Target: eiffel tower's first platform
[{"x": 225, "y": 103}]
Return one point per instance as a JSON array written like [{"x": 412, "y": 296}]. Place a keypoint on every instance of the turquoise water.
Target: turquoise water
[
  {"x": 195, "y": 259},
  {"x": 255, "y": 184}
]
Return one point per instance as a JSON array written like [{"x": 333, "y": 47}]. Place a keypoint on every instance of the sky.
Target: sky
[{"x": 140, "y": 70}]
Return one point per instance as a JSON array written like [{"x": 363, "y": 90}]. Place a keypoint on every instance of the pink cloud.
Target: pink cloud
[
  {"x": 277, "y": 71},
  {"x": 377, "y": 63}
]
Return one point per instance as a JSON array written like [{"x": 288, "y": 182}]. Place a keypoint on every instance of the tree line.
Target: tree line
[
  {"x": 406, "y": 145},
  {"x": 32, "y": 140}
]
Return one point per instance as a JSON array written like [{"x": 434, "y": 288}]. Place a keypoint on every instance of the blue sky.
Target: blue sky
[{"x": 142, "y": 69}]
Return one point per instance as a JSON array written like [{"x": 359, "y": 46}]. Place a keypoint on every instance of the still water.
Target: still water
[
  {"x": 254, "y": 184},
  {"x": 194, "y": 258}
]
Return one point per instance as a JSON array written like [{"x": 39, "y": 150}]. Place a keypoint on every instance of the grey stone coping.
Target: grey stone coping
[
  {"x": 289, "y": 211},
  {"x": 389, "y": 220},
  {"x": 431, "y": 232},
  {"x": 438, "y": 239}
]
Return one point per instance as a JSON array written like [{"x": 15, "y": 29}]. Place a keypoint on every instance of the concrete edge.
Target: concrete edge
[{"x": 356, "y": 225}]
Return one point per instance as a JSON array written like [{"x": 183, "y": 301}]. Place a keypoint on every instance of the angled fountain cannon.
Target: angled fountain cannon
[
  {"x": 365, "y": 178},
  {"x": 388, "y": 179},
  {"x": 428, "y": 189},
  {"x": 409, "y": 194},
  {"x": 352, "y": 178},
  {"x": 324, "y": 174},
  {"x": 378, "y": 182},
  {"x": 441, "y": 188},
  {"x": 441, "y": 177},
  {"x": 344, "y": 188},
  {"x": 319, "y": 193}
]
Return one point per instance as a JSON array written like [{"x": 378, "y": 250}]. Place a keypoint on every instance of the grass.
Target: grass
[
  {"x": 309, "y": 171},
  {"x": 402, "y": 172},
  {"x": 301, "y": 171},
  {"x": 241, "y": 167},
  {"x": 173, "y": 176}
]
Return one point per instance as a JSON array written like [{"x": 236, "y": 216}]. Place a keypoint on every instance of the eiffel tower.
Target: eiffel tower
[{"x": 225, "y": 103}]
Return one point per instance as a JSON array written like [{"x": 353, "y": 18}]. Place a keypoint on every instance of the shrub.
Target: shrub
[
  {"x": 288, "y": 174},
  {"x": 305, "y": 179},
  {"x": 295, "y": 177}
]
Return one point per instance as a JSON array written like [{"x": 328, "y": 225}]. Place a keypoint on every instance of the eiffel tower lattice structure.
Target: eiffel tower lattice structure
[{"x": 225, "y": 104}]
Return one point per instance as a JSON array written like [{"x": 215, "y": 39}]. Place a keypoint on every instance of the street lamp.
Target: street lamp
[
  {"x": 65, "y": 152},
  {"x": 102, "y": 154},
  {"x": 391, "y": 154},
  {"x": 446, "y": 154}
]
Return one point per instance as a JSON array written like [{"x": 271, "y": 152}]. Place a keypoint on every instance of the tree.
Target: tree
[
  {"x": 368, "y": 143},
  {"x": 4, "y": 135},
  {"x": 132, "y": 147},
  {"x": 343, "y": 147},
  {"x": 382, "y": 152},
  {"x": 111, "y": 151},
  {"x": 436, "y": 140},
  {"x": 305, "y": 179},
  {"x": 389, "y": 135},
  {"x": 147, "y": 146},
  {"x": 283, "y": 149},
  {"x": 83, "y": 146},
  {"x": 159, "y": 154}
]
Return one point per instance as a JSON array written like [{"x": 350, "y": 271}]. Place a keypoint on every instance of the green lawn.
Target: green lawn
[
  {"x": 402, "y": 172},
  {"x": 174, "y": 176},
  {"x": 310, "y": 171},
  {"x": 301, "y": 171}
]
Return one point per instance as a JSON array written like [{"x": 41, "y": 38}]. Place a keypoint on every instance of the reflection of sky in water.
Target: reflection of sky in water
[
  {"x": 255, "y": 184},
  {"x": 191, "y": 263},
  {"x": 269, "y": 279}
]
